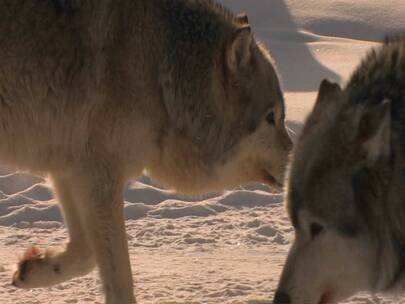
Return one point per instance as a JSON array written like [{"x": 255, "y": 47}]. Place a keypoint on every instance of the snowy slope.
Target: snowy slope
[{"x": 219, "y": 248}]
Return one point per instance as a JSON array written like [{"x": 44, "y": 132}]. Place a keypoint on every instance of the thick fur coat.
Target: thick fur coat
[
  {"x": 346, "y": 186},
  {"x": 96, "y": 92}
]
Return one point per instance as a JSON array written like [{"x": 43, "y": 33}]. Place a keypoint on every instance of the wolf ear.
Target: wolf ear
[
  {"x": 239, "y": 51},
  {"x": 328, "y": 92},
  {"x": 242, "y": 19},
  {"x": 374, "y": 129}
]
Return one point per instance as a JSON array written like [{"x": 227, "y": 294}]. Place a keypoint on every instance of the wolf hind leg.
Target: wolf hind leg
[{"x": 42, "y": 269}]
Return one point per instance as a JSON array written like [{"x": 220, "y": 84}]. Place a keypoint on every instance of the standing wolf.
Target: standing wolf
[
  {"x": 94, "y": 92},
  {"x": 346, "y": 194}
]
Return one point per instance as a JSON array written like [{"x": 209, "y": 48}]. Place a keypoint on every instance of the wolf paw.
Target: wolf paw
[{"x": 35, "y": 269}]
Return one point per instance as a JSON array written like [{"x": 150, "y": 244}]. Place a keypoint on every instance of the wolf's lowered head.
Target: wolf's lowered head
[{"x": 345, "y": 188}]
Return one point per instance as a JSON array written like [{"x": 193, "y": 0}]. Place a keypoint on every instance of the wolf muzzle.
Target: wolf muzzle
[{"x": 281, "y": 298}]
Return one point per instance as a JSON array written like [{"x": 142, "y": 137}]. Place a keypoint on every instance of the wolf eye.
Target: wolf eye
[
  {"x": 315, "y": 229},
  {"x": 270, "y": 118}
]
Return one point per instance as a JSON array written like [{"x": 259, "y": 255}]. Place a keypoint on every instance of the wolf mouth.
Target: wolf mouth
[{"x": 271, "y": 181}]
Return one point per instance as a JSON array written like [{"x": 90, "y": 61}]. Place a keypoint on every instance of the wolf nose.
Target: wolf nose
[{"x": 281, "y": 298}]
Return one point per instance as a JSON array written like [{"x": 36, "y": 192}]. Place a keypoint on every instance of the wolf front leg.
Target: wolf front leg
[
  {"x": 42, "y": 269},
  {"x": 100, "y": 189}
]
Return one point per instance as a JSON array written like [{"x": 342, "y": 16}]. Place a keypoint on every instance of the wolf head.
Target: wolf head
[
  {"x": 262, "y": 143},
  {"x": 224, "y": 102},
  {"x": 338, "y": 190}
]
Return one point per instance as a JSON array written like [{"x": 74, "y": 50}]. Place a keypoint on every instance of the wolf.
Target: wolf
[
  {"x": 345, "y": 192},
  {"x": 94, "y": 93}
]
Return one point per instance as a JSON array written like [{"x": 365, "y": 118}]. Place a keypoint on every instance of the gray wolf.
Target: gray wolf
[
  {"x": 94, "y": 93},
  {"x": 345, "y": 193}
]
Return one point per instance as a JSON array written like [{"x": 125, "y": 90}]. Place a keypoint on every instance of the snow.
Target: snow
[{"x": 216, "y": 248}]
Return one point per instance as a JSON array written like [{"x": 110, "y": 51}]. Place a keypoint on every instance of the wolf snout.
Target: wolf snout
[{"x": 281, "y": 298}]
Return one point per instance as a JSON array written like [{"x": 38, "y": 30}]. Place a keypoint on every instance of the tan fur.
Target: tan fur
[{"x": 97, "y": 94}]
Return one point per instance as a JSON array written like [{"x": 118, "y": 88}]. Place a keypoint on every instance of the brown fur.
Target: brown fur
[{"x": 96, "y": 92}]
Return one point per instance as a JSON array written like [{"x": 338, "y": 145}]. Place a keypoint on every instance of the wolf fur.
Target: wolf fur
[
  {"x": 346, "y": 187},
  {"x": 95, "y": 92}
]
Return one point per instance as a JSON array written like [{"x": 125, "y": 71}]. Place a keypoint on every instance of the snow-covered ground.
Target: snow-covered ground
[{"x": 223, "y": 248}]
